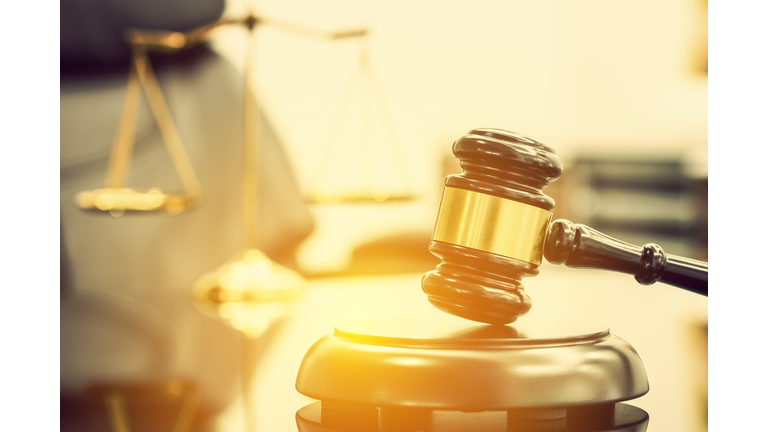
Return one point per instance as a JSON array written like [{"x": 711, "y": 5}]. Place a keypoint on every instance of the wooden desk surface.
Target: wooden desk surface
[{"x": 661, "y": 322}]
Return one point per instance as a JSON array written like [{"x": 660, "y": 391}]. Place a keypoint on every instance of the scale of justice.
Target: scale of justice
[{"x": 487, "y": 367}]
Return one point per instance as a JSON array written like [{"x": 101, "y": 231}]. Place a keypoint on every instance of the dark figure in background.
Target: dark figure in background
[{"x": 127, "y": 314}]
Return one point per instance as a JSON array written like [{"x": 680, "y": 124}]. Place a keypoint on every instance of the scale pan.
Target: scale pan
[
  {"x": 249, "y": 292},
  {"x": 117, "y": 201}
]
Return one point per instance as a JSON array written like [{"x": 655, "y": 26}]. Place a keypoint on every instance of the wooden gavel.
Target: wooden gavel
[{"x": 493, "y": 228}]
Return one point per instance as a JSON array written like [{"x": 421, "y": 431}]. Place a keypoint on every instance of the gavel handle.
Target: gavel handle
[{"x": 580, "y": 246}]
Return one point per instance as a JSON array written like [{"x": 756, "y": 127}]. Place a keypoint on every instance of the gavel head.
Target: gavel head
[{"x": 491, "y": 226}]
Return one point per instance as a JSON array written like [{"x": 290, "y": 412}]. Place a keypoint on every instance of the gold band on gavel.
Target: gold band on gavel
[{"x": 492, "y": 224}]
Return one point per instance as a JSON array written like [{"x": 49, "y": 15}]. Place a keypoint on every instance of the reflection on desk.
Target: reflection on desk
[{"x": 659, "y": 321}]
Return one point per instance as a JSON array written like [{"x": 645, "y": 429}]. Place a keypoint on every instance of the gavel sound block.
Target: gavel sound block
[{"x": 449, "y": 374}]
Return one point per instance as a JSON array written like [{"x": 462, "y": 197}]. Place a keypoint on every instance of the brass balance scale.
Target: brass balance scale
[
  {"x": 250, "y": 292},
  {"x": 250, "y": 279}
]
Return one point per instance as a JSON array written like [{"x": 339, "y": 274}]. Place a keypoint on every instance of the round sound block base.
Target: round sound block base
[{"x": 448, "y": 363}]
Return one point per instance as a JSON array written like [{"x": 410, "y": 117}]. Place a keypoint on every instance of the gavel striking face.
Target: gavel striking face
[{"x": 493, "y": 228}]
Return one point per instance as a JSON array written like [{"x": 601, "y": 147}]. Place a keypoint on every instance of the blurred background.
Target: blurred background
[
  {"x": 608, "y": 85},
  {"x": 618, "y": 89}
]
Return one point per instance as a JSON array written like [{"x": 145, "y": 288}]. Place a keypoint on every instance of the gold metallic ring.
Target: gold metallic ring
[{"x": 492, "y": 224}]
